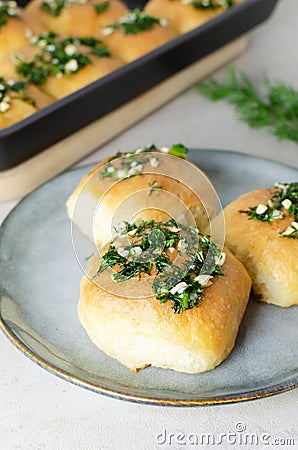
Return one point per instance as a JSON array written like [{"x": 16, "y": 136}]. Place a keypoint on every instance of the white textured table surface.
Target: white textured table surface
[{"x": 39, "y": 411}]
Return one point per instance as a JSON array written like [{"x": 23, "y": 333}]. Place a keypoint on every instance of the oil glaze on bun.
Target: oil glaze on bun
[
  {"x": 132, "y": 45},
  {"x": 12, "y": 30},
  {"x": 152, "y": 195},
  {"x": 182, "y": 15}
]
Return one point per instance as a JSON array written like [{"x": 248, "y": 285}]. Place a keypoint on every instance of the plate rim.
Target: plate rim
[
  {"x": 138, "y": 398},
  {"x": 141, "y": 399}
]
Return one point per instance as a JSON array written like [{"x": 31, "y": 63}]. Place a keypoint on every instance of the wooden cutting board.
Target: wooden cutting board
[{"x": 22, "y": 179}]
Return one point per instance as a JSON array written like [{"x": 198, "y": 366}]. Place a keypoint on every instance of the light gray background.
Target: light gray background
[{"x": 39, "y": 411}]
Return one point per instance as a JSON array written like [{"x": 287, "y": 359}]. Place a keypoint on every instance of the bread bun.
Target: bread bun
[
  {"x": 141, "y": 331},
  {"x": 22, "y": 104},
  {"x": 175, "y": 188},
  {"x": 12, "y": 32},
  {"x": 271, "y": 260},
  {"x": 60, "y": 87},
  {"x": 67, "y": 83},
  {"x": 182, "y": 16},
  {"x": 78, "y": 18},
  {"x": 132, "y": 46}
]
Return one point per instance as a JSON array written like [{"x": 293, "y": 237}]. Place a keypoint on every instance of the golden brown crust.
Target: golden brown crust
[
  {"x": 142, "y": 331},
  {"x": 8, "y": 68},
  {"x": 182, "y": 17},
  {"x": 67, "y": 84},
  {"x": 271, "y": 260},
  {"x": 8, "y": 65},
  {"x": 156, "y": 204},
  {"x": 19, "y": 110},
  {"x": 133, "y": 46},
  {"x": 78, "y": 19},
  {"x": 41, "y": 98},
  {"x": 12, "y": 37}
]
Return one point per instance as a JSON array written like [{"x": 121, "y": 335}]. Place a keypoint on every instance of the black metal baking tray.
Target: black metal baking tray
[{"x": 30, "y": 136}]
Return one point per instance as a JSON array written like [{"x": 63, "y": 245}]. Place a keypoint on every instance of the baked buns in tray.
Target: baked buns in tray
[
  {"x": 45, "y": 43},
  {"x": 79, "y": 18}
]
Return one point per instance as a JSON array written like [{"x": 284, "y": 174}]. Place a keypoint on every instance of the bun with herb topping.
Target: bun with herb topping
[
  {"x": 73, "y": 17},
  {"x": 186, "y": 15},
  {"x": 60, "y": 66},
  {"x": 262, "y": 232},
  {"x": 135, "y": 34},
  {"x": 19, "y": 100},
  {"x": 12, "y": 28},
  {"x": 189, "y": 320},
  {"x": 144, "y": 183}
]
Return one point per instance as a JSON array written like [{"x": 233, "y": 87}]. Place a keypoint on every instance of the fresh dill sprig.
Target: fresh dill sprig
[{"x": 276, "y": 109}]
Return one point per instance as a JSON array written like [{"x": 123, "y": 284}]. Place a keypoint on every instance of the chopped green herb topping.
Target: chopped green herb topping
[
  {"x": 134, "y": 22},
  {"x": 8, "y": 9},
  {"x": 210, "y": 4},
  {"x": 96, "y": 46},
  {"x": 155, "y": 187},
  {"x": 101, "y": 7},
  {"x": 12, "y": 89},
  {"x": 58, "y": 57},
  {"x": 132, "y": 164},
  {"x": 55, "y": 7},
  {"x": 149, "y": 250},
  {"x": 283, "y": 202}
]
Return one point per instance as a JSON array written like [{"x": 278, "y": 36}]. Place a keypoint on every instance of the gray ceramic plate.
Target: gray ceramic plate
[{"x": 39, "y": 291}]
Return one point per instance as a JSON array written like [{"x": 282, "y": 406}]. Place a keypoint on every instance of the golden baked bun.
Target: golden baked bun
[
  {"x": 104, "y": 198},
  {"x": 74, "y": 70},
  {"x": 270, "y": 259},
  {"x": 142, "y": 331},
  {"x": 183, "y": 16},
  {"x": 19, "y": 100},
  {"x": 12, "y": 29},
  {"x": 70, "y": 83},
  {"x": 132, "y": 45},
  {"x": 75, "y": 18}
]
